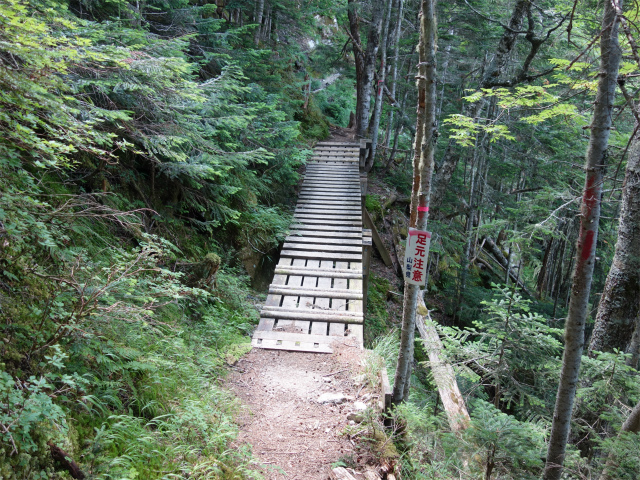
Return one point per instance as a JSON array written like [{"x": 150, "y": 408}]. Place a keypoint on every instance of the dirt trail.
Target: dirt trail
[{"x": 293, "y": 435}]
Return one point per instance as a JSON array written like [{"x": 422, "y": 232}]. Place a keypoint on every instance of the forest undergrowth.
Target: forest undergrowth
[{"x": 149, "y": 158}]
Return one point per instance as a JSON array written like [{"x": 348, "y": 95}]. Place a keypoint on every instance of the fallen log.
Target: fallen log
[
  {"x": 490, "y": 246},
  {"x": 443, "y": 374},
  {"x": 65, "y": 461}
]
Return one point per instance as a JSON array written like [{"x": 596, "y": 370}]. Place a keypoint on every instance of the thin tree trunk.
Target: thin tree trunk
[
  {"x": 358, "y": 56},
  {"x": 370, "y": 55},
  {"x": 586, "y": 244},
  {"x": 377, "y": 110},
  {"x": 618, "y": 308},
  {"x": 424, "y": 145},
  {"x": 394, "y": 68},
  {"x": 634, "y": 346},
  {"x": 258, "y": 19}
]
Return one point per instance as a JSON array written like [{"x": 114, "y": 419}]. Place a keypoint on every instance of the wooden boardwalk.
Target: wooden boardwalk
[{"x": 317, "y": 292}]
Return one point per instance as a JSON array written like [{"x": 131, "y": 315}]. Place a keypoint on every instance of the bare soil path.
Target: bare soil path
[{"x": 292, "y": 434}]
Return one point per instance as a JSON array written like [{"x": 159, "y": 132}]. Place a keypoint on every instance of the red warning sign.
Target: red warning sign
[{"x": 415, "y": 256}]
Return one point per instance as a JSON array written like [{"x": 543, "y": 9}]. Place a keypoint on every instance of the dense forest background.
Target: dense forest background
[{"x": 149, "y": 157}]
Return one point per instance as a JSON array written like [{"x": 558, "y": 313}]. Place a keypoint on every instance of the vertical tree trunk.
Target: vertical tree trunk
[
  {"x": 394, "y": 68},
  {"x": 365, "y": 62},
  {"x": 377, "y": 110},
  {"x": 585, "y": 246},
  {"x": 258, "y": 19},
  {"x": 634, "y": 346},
  {"x": 266, "y": 27},
  {"x": 358, "y": 56},
  {"x": 423, "y": 173},
  {"x": 618, "y": 308}
]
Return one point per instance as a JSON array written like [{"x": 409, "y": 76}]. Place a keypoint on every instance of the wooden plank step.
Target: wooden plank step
[
  {"x": 347, "y": 167},
  {"x": 333, "y": 159},
  {"x": 329, "y": 207},
  {"x": 298, "y": 234},
  {"x": 328, "y": 222},
  {"x": 342, "y": 173},
  {"x": 334, "y": 181},
  {"x": 353, "y": 206},
  {"x": 332, "y": 186},
  {"x": 311, "y": 201},
  {"x": 308, "y": 337},
  {"x": 337, "y": 148},
  {"x": 324, "y": 240},
  {"x": 316, "y": 272},
  {"x": 347, "y": 190},
  {"x": 328, "y": 216},
  {"x": 291, "y": 345},
  {"x": 329, "y": 161},
  {"x": 351, "y": 170},
  {"x": 352, "y": 146},
  {"x": 337, "y": 230},
  {"x": 323, "y": 210},
  {"x": 319, "y": 203},
  {"x": 340, "y": 144},
  {"x": 317, "y": 315},
  {"x": 337, "y": 180},
  {"x": 330, "y": 153},
  {"x": 322, "y": 255},
  {"x": 351, "y": 186},
  {"x": 323, "y": 247},
  {"x": 333, "y": 174},
  {"x": 330, "y": 193},
  {"x": 316, "y": 292},
  {"x": 340, "y": 186}
]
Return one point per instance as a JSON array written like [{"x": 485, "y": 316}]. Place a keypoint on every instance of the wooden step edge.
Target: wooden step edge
[
  {"x": 310, "y": 317},
  {"x": 304, "y": 337},
  {"x": 291, "y": 346},
  {"x": 319, "y": 272},
  {"x": 316, "y": 292},
  {"x": 278, "y": 312}
]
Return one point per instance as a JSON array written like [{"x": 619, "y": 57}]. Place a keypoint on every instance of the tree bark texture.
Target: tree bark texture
[
  {"x": 426, "y": 129},
  {"x": 596, "y": 160},
  {"x": 365, "y": 61},
  {"x": 395, "y": 38},
  {"x": 377, "y": 109},
  {"x": 258, "y": 19},
  {"x": 618, "y": 308},
  {"x": 358, "y": 56}
]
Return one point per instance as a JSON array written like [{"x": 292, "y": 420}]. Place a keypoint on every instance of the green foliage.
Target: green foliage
[
  {"x": 465, "y": 129},
  {"x": 377, "y": 308},
  {"x": 624, "y": 463},
  {"x": 41, "y": 119},
  {"x": 265, "y": 228},
  {"x": 312, "y": 122},
  {"x": 511, "y": 349},
  {"x": 337, "y": 101},
  {"x": 373, "y": 205},
  {"x": 507, "y": 448}
]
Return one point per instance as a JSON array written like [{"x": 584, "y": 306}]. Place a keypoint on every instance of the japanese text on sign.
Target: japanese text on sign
[{"x": 415, "y": 256}]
